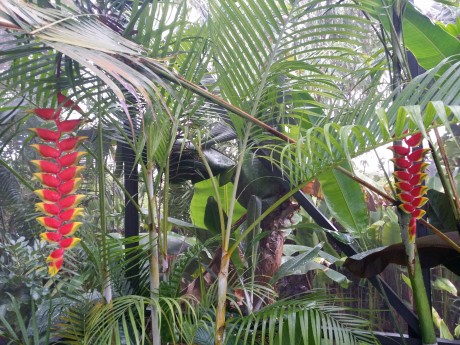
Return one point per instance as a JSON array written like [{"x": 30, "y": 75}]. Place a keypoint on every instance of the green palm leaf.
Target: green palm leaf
[{"x": 309, "y": 319}]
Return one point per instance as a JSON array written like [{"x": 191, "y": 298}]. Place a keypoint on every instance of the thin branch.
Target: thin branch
[
  {"x": 440, "y": 234},
  {"x": 177, "y": 79},
  {"x": 366, "y": 184}
]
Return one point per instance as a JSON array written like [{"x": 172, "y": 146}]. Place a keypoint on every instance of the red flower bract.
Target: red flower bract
[
  {"x": 46, "y": 151},
  {"x": 67, "y": 102},
  {"x": 46, "y": 134},
  {"x": 69, "y": 228},
  {"x": 399, "y": 150},
  {"x": 69, "y": 144},
  {"x": 414, "y": 140},
  {"x": 70, "y": 159},
  {"x": 70, "y": 201},
  {"x": 70, "y": 186},
  {"x": 48, "y": 209},
  {"x": 70, "y": 173},
  {"x": 67, "y": 125},
  {"x": 46, "y": 166},
  {"x": 47, "y": 114},
  {"x": 401, "y": 163},
  {"x": 49, "y": 180}
]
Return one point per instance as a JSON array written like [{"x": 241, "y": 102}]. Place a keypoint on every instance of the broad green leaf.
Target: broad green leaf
[
  {"x": 333, "y": 275},
  {"x": 345, "y": 200},
  {"x": 297, "y": 264},
  {"x": 211, "y": 216},
  {"x": 428, "y": 42},
  {"x": 203, "y": 190},
  {"x": 439, "y": 211},
  {"x": 445, "y": 284},
  {"x": 391, "y": 233}
]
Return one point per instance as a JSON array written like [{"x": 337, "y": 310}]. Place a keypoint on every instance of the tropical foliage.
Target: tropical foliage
[{"x": 210, "y": 99}]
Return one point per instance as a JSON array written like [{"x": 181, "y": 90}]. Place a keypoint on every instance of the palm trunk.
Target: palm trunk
[
  {"x": 222, "y": 282},
  {"x": 154, "y": 263},
  {"x": 107, "y": 286}
]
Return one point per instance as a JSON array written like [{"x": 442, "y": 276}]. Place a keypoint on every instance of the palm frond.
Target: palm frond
[
  {"x": 270, "y": 62},
  {"x": 321, "y": 148},
  {"x": 125, "y": 318},
  {"x": 309, "y": 319}
]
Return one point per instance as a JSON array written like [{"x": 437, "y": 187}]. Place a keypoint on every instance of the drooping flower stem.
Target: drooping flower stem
[{"x": 421, "y": 301}]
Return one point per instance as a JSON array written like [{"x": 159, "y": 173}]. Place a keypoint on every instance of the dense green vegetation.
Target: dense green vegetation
[{"x": 202, "y": 122}]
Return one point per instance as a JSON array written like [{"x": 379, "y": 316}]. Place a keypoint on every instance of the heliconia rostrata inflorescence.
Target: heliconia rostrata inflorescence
[
  {"x": 409, "y": 159},
  {"x": 58, "y": 172}
]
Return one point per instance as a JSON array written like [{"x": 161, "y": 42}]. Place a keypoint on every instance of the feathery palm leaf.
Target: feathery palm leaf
[
  {"x": 273, "y": 58},
  {"x": 308, "y": 319}
]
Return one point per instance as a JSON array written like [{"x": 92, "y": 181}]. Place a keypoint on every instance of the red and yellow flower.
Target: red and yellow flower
[
  {"x": 58, "y": 173},
  {"x": 410, "y": 177}
]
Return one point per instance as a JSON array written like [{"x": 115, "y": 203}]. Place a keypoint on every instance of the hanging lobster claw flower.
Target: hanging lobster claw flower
[
  {"x": 48, "y": 195},
  {"x": 46, "y": 134},
  {"x": 69, "y": 144},
  {"x": 70, "y": 201},
  {"x": 69, "y": 229},
  {"x": 69, "y": 242},
  {"x": 48, "y": 209},
  {"x": 70, "y": 186},
  {"x": 58, "y": 172},
  {"x": 49, "y": 223},
  {"x": 413, "y": 140},
  {"x": 55, "y": 255},
  {"x": 55, "y": 266},
  {"x": 70, "y": 173},
  {"x": 70, "y": 159},
  {"x": 67, "y": 125},
  {"x": 48, "y": 180},
  {"x": 47, "y": 114},
  {"x": 410, "y": 180},
  {"x": 52, "y": 237},
  {"x": 70, "y": 214},
  {"x": 399, "y": 150},
  {"x": 46, "y": 151},
  {"x": 46, "y": 166},
  {"x": 401, "y": 163}
]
